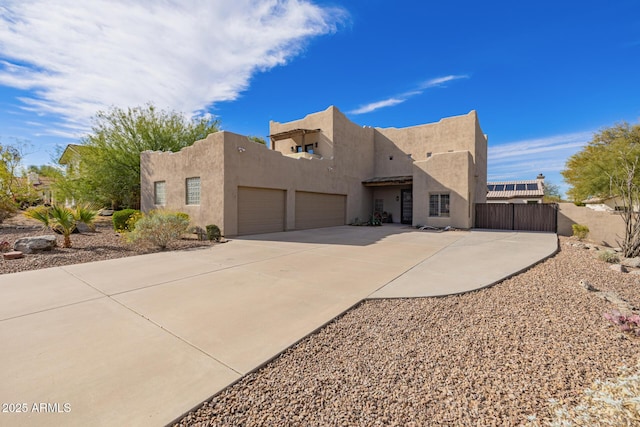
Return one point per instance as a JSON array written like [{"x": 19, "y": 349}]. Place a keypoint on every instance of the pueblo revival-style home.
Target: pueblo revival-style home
[{"x": 321, "y": 171}]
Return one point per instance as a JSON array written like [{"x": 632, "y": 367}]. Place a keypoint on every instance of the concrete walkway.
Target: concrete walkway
[{"x": 141, "y": 340}]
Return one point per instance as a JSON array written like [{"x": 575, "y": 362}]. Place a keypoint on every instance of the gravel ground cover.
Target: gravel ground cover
[
  {"x": 104, "y": 244},
  {"x": 493, "y": 357}
]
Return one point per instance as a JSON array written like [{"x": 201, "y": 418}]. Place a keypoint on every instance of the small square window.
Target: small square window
[
  {"x": 159, "y": 193},
  {"x": 439, "y": 205},
  {"x": 193, "y": 191}
]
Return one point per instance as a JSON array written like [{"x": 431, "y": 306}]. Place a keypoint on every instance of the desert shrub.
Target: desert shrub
[
  {"x": 7, "y": 208},
  {"x": 612, "y": 403},
  {"x": 609, "y": 256},
  {"x": 580, "y": 231},
  {"x": 625, "y": 323},
  {"x": 133, "y": 220},
  {"x": 158, "y": 228},
  {"x": 120, "y": 219},
  {"x": 184, "y": 216},
  {"x": 213, "y": 232}
]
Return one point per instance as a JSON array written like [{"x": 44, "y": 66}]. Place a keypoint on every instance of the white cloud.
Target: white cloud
[
  {"x": 399, "y": 99},
  {"x": 526, "y": 159},
  {"x": 376, "y": 105},
  {"x": 80, "y": 57}
]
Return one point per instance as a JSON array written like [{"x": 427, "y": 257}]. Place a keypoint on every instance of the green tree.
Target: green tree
[
  {"x": 109, "y": 171},
  {"x": 609, "y": 166},
  {"x": 552, "y": 193},
  {"x": 14, "y": 187}
]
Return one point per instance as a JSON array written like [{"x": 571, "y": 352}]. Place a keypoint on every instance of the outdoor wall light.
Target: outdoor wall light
[
  {"x": 293, "y": 150},
  {"x": 397, "y": 198}
]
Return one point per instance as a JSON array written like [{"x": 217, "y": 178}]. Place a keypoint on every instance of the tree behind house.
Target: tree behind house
[{"x": 110, "y": 166}]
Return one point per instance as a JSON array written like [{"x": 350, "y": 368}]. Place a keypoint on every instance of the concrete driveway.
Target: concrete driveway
[{"x": 141, "y": 340}]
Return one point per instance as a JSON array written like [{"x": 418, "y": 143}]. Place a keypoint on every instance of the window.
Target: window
[
  {"x": 490, "y": 187},
  {"x": 309, "y": 148},
  {"x": 378, "y": 205},
  {"x": 532, "y": 187},
  {"x": 439, "y": 205},
  {"x": 159, "y": 193},
  {"x": 521, "y": 187},
  {"x": 508, "y": 187},
  {"x": 499, "y": 187},
  {"x": 193, "y": 191}
]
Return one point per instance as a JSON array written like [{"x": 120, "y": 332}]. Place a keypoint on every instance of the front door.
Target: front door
[{"x": 406, "y": 206}]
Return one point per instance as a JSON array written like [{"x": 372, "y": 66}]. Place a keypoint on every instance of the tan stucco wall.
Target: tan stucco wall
[
  {"x": 604, "y": 227},
  {"x": 349, "y": 154},
  {"x": 443, "y": 173},
  {"x": 203, "y": 159}
]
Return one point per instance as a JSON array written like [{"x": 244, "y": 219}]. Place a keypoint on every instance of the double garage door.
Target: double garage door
[{"x": 263, "y": 210}]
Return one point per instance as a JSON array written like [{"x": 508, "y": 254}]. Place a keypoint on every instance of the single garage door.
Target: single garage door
[
  {"x": 260, "y": 210},
  {"x": 315, "y": 210}
]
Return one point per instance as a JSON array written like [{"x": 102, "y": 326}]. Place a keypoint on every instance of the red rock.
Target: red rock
[{"x": 12, "y": 255}]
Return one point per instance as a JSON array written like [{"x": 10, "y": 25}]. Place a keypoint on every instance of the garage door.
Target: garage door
[
  {"x": 260, "y": 210},
  {"x": 315, "y": 210}
]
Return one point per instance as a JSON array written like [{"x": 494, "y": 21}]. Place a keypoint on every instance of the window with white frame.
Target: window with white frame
[
  {"x": 193, "y": 191},
  {"x": 159, "y": 193},
  {"x": 439, "y": 205}
]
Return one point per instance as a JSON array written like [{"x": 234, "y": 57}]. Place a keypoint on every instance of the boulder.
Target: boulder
[
  {"x": 30, "y": 245},
  {"x": 631, "y": 262},
  {"x": 619, "y": 268}
]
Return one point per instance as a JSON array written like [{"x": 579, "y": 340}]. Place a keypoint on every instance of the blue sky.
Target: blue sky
[{"x": 542, "y": 75}]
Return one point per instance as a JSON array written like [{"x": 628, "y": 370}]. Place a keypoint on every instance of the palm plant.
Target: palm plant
[
  {"x": 39, "y": 213},
  {"x": 86, "y": 214},
  {"x": 63, "y": 220}
]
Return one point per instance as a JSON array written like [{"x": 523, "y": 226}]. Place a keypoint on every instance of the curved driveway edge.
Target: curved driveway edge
[
  {"x": 139, "y": 340},
  {"x": 481, "y": 259}
]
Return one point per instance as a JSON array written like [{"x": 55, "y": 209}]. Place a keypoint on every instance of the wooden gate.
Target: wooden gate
[{"x": 512, "y": 216}]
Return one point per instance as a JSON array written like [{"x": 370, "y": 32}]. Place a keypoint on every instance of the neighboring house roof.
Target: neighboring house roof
[
  {"x": 514, "y": 189},
  {"x": 70, "y": 152}
]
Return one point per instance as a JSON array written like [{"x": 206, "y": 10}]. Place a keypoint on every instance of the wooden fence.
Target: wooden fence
[{"x": 512, "y": 216}]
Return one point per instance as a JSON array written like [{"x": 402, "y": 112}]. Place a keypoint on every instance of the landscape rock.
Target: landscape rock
[
  {"x": 30, "y": 245},
  {"x": 12, "y": 255},
  {"x": 619, "y": 268},
  {"x": 83, "y": 228},
  {"x": 631, "y": 262},
  {"x": 588, "y": 286}
]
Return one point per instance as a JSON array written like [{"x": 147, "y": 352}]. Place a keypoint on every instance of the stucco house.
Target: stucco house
[
  {"x": 526, "y": 191},
  {"x": 324, "y": 170}
]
